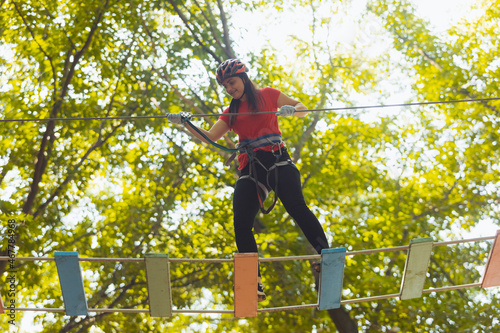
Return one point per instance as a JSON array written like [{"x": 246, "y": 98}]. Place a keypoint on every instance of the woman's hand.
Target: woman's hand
[
  {"x": 286, "y": 111},
  {"x": 285, "y": 102},
  {"x": 179, "y": 118}
]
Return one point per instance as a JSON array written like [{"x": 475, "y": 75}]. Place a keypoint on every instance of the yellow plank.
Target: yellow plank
[
  {"x": 416, "y": 266},
  {"x": 158, "y": 278}
]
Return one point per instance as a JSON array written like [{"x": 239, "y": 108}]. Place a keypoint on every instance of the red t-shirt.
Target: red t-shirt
[{"x": 255, "y": 125}]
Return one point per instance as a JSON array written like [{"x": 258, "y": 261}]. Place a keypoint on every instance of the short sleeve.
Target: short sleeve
[
  {"x": 225, "y": 116},
  {"x": 272, "y": 96}
]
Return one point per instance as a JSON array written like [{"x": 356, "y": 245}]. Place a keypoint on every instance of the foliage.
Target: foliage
[{"x": 121, "y": 188}]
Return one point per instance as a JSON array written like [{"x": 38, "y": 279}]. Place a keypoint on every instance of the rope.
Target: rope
[
  {"x": 250, "y": 113},
  {"x": 263, "y": 310},
  {"x": 213, "y": 143},
  {"x": 274, "y": 309},
  {"x": 93, "y": 310},
  {"x": 227, "y": 260}
]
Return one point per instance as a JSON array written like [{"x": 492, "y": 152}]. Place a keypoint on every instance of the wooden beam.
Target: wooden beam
[
  {"x": 415, "y": 272},
  {"x": 491, "y": 276},
  {"x": 158, "y": 278},
  {"x": 331, "y": 278},
  {"x": 71, "y": 281},
  {"x": 245, "y": 284}
]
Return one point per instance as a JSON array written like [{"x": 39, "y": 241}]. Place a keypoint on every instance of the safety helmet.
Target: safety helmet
[{"x": 228, "y": 68}]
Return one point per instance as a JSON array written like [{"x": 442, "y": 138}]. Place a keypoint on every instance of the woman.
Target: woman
[{"x": 263, "y": 160}]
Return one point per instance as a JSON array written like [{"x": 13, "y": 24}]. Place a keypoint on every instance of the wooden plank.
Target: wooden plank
[
  {"x": 71, "y": 281},
  {"x": 491, "y": 276},
  {"x": 245, "y": 284},
  {"x": 159, "y": 290},
  {"x": 415, "y": 272},
  {"x": 331, "y": 278}
]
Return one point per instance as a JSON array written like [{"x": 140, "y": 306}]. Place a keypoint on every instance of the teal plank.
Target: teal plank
[
  {"x": 331, "y": 278},
  {"x": 71, "y": 281},
  {"x": 416, "y": 266},
  {"x": 158, "y": 278}
]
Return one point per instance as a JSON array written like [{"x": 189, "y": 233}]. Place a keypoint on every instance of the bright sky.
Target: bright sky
[{"x": 278, "y": 28}]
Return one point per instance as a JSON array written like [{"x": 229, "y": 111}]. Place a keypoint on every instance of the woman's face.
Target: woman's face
[{"x": 235, "y": 87}]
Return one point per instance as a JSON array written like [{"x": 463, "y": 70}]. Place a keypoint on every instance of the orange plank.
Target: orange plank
[
  {"x": 491, "y": 276},
  {"x": 245, "y": 284},
  {"x": 2, "y": 309}
]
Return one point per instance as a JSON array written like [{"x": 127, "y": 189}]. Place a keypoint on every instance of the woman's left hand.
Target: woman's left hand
[{"x": 286, "y": 111}]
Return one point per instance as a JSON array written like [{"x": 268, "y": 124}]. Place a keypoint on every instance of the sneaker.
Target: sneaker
[{"x": 261, "y": 296}]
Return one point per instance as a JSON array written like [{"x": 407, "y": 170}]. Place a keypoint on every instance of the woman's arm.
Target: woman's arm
[
  {"x": 285, "y": 100},
  {"x": 215, "y": 133}
]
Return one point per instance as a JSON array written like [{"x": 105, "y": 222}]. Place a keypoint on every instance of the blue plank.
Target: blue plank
[
  {"x": 331, "y": 278},
  {"x": 70, "y": 278}
]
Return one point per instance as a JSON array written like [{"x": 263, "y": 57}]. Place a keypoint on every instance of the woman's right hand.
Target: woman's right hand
[{"x": 179, "y": 118}]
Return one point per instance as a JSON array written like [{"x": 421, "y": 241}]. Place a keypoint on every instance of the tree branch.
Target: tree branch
[
  {"x": 470, "y": 95},
  {"x": 52, "y": 17},
  {"x": 54, "y": 77},
  {"x": 48, "y": 139},
  {"x": 47, "y": 142},
  {"x": 193, "y": 33},
  {"x": 229, "y": 50},
  {"x": 434, "y": 63},
  {"x": 186, "y": 100},
  {"x": 413, "y": 45},
  {"x": 448, "y": 277},
  {"x": 74, "y": 170},
  {"x": 304, "y": 137},
  {"x": 82, "y": 51},
  {"x": 87, "y": 321},
  {"x": 209, "y": 21}
]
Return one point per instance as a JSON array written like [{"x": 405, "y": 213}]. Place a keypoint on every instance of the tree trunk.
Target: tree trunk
[
  {"x": 342, "y": 320},
  {"x": 340, "y": 317}
]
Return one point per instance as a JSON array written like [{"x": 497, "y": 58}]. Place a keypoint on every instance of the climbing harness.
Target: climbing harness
[
  {"x": 263, "y": 189},
  {"x": 249, "y": 147}
]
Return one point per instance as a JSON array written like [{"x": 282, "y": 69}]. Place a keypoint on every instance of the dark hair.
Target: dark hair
[{"x": 253, "y": 96}]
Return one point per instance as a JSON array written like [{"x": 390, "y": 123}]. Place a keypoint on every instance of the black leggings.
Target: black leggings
[{"x": 246, "y": 204}]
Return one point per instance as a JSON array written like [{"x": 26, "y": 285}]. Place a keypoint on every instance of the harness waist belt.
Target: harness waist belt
[
  {"x": 249, "y": 145},
  {"x": 261, "y": 141}
]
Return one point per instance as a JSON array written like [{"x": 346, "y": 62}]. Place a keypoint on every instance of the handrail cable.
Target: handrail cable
[{"x": 344, "y": 108}]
